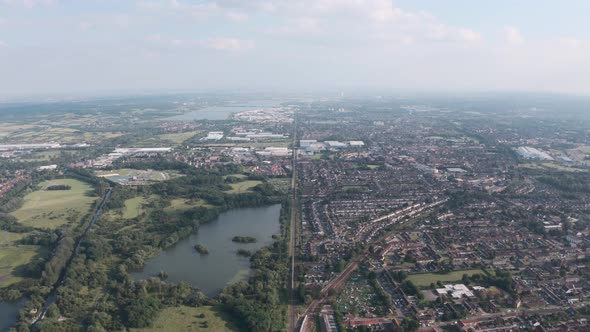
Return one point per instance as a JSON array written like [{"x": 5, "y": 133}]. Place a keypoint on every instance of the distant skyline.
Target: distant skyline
[{"x": 88, "y": 47}]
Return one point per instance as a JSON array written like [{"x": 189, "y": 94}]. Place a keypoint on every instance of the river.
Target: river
[{"x": 222, "y": 266}]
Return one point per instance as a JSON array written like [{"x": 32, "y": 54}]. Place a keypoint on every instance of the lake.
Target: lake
[
  {"x": 9, "y": 313},
  {"x": 210, "y": 113},
  {"x": 222, "y": 266},
  {"x": 224, "y": 112}
]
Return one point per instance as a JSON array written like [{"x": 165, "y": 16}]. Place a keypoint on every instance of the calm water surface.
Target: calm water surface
[
  {"x": 9, "y": 313},
  {"x": 210, "y": 113},
  {"x": 222, "y": 266}
]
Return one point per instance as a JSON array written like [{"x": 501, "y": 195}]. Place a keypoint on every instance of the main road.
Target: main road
[{"x": 293, "y": 230}]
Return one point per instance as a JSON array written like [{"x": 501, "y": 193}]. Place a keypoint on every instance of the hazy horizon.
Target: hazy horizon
[{"x": 67, "y": 48}]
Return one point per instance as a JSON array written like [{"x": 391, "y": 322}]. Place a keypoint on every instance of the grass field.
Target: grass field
[
  {"x": 240, "y": 187},
  {"x": 552, "y": 166},
  {"x": 11, "y": 258},
  {"x": 184, "y": 204},
  {"x": 8, "y": 238},
  {"x": 124, "y": 174},
  {"x": 50, "y": 209},
  {"x": 41, "y": 134},
  {"x": 187, "y": 319},
  {"x": 41, "y": 155},
  {"x": 133, "y": 207},
  {"x": 179, "y": 137},
  {"x": 425, "y": 279},
  {"x": 236, "y": 175}
]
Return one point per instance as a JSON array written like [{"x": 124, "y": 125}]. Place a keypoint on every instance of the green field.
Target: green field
[
  {"x": 185, "y": 204},
  {"x": 425, "y": 279},
  {"x": 187, "y": 319},
  {"x": 51, "y": 209},
  {"x": 124, "y": 174},
  {"x": 7, "y": 238},
  {"x": 11, "y": 258},
  {"x": 235, "y": 175},
  {"x": 552, "y": 166},
  {"x": 240, "y": 187},
  {"x": 178, "y": 137},
  {"x": 42, "y": 155},
  {"x": 133, "y": 207}
]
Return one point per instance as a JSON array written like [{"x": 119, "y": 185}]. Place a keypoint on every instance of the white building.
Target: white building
[
  {"x": 305, "y": 143},
  {"x": 214, "y": 136},
  {"x": 48, "y": 167},
  {"x": 356, "y": 144},
  {"x": 456, "y": 291}
]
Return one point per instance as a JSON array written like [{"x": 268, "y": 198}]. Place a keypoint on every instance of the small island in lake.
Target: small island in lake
[
  {"x": 201, "y": 249},
  {"x": 244, "y": 252},
  {"x": 244, "y": 239}
]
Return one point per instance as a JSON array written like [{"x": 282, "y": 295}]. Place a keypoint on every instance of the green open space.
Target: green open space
[
  {"x": 235, "y": 175},
  {"x": 8, "y": 238},
  {"x": 183, "y": 318},
  {"x": 11, "y": 258},
  {"x": 425, "y": 279},
  {"x": 53, "y": 208},
  {"x": 360, "y": 298},
  {"x": 136, "y": 206},
  {"x": 125, "y": 174},
  {"x": 240, "y": 187},
  {"x": 552, "y": 166},
  {"x": 178, "y": 137},
  {"x": 185, "y": 204}
]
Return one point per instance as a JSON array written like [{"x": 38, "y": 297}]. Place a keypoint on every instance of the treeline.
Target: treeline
[
  {"x": 568, "y": 182},
  {"x": 258, "y": 302},
  {"x": 98, "y": 293},
  {"x": 59, "y": 187},
  {"x": 162, "y": 164},
  {"x": 58, "y": 261},
  {"x": 9, "y": 223},
  {"x": 85, "y": 175}
]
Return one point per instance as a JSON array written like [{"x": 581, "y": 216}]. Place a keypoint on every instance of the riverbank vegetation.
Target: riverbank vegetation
[
  {"x": 201, "y": 249},
  {"x": 244, "y": 252},
  {"x": 98, "y": 293},
  {"x": 244, "y": 239}
]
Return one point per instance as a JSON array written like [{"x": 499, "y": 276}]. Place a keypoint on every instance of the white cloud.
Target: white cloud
[
  {"x": 28, "y": 3},
  {"x": 573, "y": 42},
  {"x": 236, "y": 16},
  {"x": 229, "y": 44},
  {"x": 513, "y": 36},
  {"x": 304, "y": 26},
  {"x": 220, "y": 44},
  {"x": 117, "y": 20},
  {"x": 360, "y": 19},
  {"x": 3, "y": 44}
]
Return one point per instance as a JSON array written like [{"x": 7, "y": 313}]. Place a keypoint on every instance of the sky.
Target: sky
[{"x": 92, "y": 46}]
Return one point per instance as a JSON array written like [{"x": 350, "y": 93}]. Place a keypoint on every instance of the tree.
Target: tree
[
  {"x": 409, "y": 325},
  {"x": 141, "y": 311}
]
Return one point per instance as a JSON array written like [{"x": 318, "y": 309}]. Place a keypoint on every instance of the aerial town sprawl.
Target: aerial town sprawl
[{"x": 384, "y": 214}]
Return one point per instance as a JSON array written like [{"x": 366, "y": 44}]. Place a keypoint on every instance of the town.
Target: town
[{"x": 406, "y": 216}]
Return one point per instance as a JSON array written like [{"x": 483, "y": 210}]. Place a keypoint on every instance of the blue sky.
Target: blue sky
[{"x": 92, "y": 46}]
